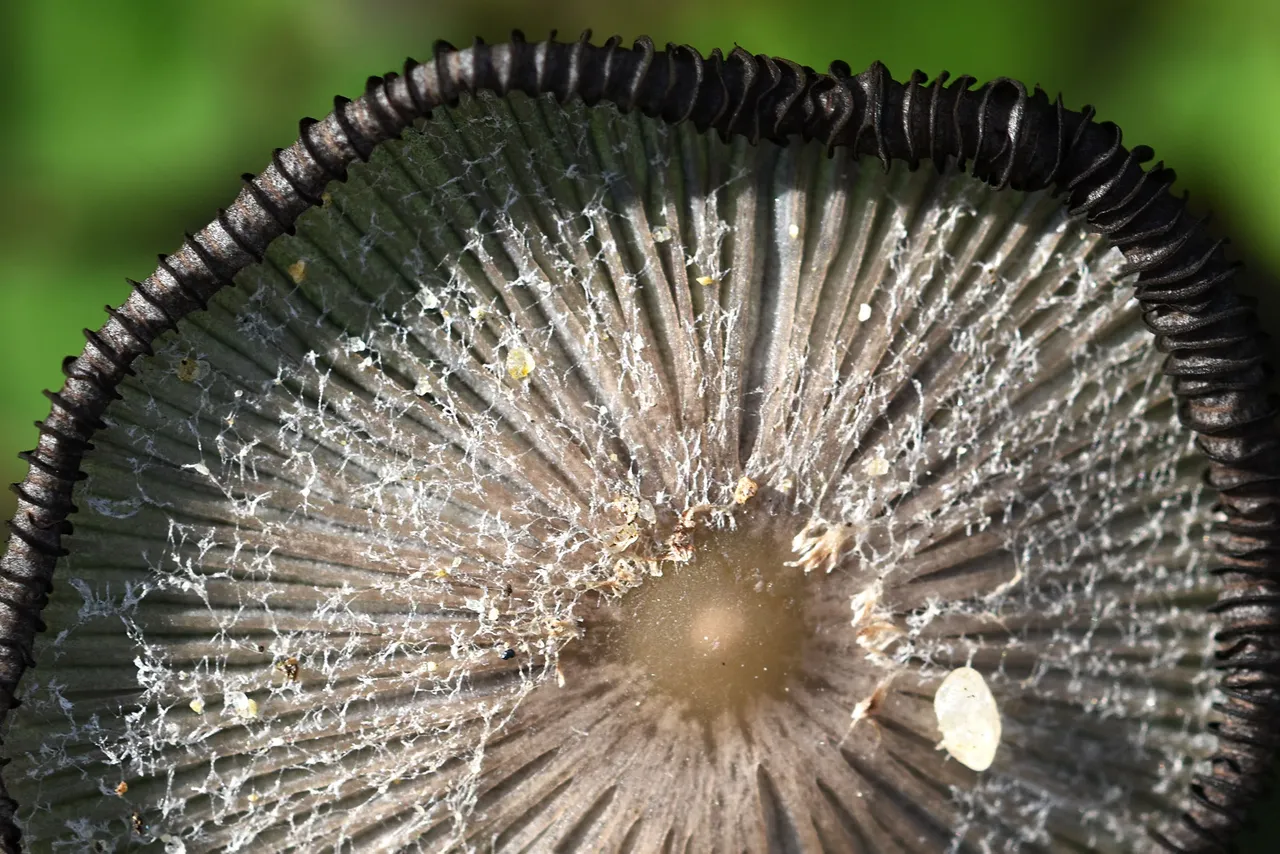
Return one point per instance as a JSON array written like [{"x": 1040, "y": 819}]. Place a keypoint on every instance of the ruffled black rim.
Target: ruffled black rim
[{"x": 1008, "y": 137}]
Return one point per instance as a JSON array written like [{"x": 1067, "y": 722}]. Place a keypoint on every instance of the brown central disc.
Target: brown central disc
[{"x": 721, "y": 629}]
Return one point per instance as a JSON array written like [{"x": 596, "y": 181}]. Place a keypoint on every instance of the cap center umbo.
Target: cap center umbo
[{"x": 720, "y": 629}]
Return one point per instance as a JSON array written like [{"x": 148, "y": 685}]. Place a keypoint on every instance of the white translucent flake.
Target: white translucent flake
[
  {"x": 968, "y": 718},
  {"x": 242, "y": 705},
  {"x": 122, "y": 509},
  {"x": 428, "y": 299},
  {"x": 876, "y": 467}
]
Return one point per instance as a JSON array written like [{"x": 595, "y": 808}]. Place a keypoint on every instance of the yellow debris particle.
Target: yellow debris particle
[
  {"x": 625, "y": 573},
  {"x": 478, "y": 313},
  {"x": 793, "y": 230},
  {"x": 326, "y": 199},
  {"x": 620, "y": 538},
  {"x": 864, "y": 604},
  {"x": 189, "y": 370},
  {"x": 861, "y": 709},
  {"x": 122, "y": 788},
  {"x": 290, "y": 668},
  {"x": 661, "y": 234},
  {"x": 446, "y": 571},
  {"x": 627, "y": 507},
  {"x": 868, "y": 708},
  {"x": 519, "y": 363},
  {"x": 878, "y": 636},
  {"x": 968, "y": 718},
  {"x": 864, "y": 313},
  {"x": 557, "y": 627},
  {"x": 876, "y": 467},
  {"x": 818, "y": 544},
  {"x": 197, "y": 706},
  {"x": 706, "y": 281},
  {"x": 745, "y": 490},
  {"x": 253, "y": 797},
  {"x": 432, "y": 667},
  {"x": 298, "y": 271}
]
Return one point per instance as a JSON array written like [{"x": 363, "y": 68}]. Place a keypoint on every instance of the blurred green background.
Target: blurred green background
[{"x": 129, "y": 122}]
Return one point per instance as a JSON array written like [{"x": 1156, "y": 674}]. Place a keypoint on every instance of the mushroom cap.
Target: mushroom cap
[{"x": 426, "y": 523}]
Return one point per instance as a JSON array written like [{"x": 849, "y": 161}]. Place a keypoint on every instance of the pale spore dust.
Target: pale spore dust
[{"x": 447, "y": 544}]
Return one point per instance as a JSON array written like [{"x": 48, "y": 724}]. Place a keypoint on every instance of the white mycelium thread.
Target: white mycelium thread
[{"x": 440, "y": 546}]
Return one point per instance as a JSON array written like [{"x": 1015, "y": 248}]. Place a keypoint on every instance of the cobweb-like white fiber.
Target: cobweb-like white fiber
[{"x": 338, "y": 552}]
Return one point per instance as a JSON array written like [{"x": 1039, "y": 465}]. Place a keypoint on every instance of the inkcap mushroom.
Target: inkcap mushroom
[{"x": 574, "y": 447}]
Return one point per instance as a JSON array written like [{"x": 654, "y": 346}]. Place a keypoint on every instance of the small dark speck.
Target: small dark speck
[
  {"x": 261, "y": 648},
  {"x": 508, "y": 655}
]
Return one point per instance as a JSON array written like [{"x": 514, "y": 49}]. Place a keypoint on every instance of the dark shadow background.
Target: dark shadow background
[{"x": 127, "y": 123}]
